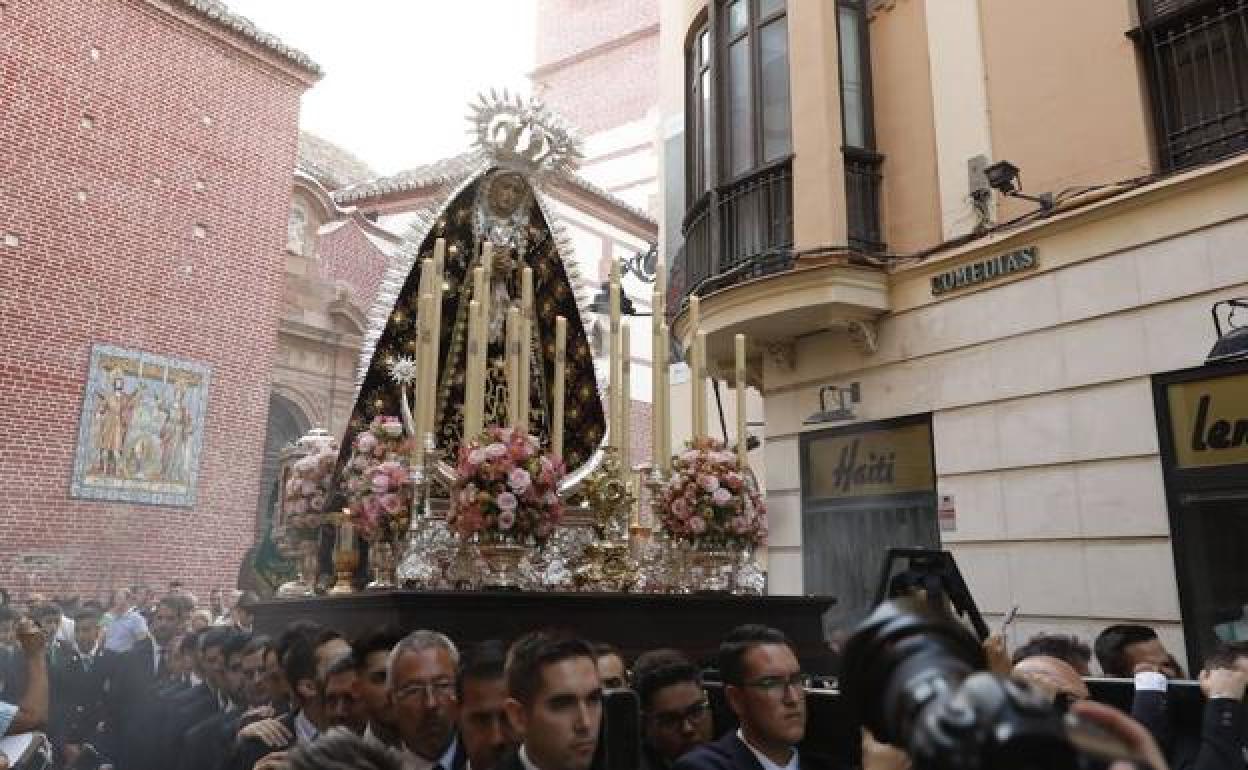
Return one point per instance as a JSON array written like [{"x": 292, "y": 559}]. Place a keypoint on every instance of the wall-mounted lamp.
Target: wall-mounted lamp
[
  {"x": 1232, "y": 344},
  {"x": 844, "y": 397},
  {"x": 1003, "y": 176}
]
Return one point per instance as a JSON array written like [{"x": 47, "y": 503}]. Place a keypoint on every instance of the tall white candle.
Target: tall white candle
[
  {"x": 613, "y": 394},
  {"x": 561, "y": 352},
  {"x": 526, "y": 346},
  {"x": 699, "y": 385},
  {"x": 626, "y": 402},
  {"x": 474, "y": 387},
  {"x": 743, "y": 459},
  {"x": 663, "y": 364},
  {"x": 513, "y": 366},
  {"x": 422, "y": 376}
]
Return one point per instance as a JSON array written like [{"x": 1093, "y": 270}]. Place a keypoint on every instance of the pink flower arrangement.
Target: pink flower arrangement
[
  {"x": 376, "y": 480},
  {"x": 507, "y": 488},
  {"x": 709, "y": 499},
  {"x": 307, "y": 490}
]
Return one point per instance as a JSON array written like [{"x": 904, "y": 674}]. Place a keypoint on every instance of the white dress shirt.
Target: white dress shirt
[
  {"x": 414, "y": 761},
  {"x": 764, "y": 761}
]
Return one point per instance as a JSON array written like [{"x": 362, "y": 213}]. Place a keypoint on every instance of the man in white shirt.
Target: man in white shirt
[
  {"x": 554, "y": 701},
  {"x": 421, "y": 677}
]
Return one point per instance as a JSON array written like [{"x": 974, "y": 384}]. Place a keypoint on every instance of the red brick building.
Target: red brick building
[{"x": 144, "y": 195}]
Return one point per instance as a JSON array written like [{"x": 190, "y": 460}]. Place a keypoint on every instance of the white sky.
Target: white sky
[{"x": 399, "y": 73}]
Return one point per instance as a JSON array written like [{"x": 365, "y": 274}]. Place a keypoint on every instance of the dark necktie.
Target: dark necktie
[{"x": 162, "y": 665}]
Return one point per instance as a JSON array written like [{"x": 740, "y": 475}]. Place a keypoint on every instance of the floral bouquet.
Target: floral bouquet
[
  {"x": 710, "y": 500},
  {"x": 507, "y": 490},
  {"x": 306, "y": 492},
  {"x": 376, "y": 481}
]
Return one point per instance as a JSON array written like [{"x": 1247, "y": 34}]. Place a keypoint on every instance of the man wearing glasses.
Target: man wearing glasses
[
  {"x": 676, "y": 716},
  {"x": 421, "y": 678},
  {"x": 766, "y": 689}
]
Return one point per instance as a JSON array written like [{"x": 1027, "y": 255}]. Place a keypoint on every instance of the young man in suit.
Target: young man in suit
[
  {"x": 78, "y": 682},
  {"x": 372, "y": 655},
  {"x": 483, "y": 724},
  {"x": 675, "y": 711},
  {"x": 266, "y": 742},
  {"x": 554, "y": 702},
  {"x": 766, "y": 689}
]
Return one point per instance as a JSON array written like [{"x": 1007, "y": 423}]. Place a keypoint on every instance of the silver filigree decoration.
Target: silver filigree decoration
[
  {"x": 403, "y": 370},
  {"x": 522, "y": 134}
]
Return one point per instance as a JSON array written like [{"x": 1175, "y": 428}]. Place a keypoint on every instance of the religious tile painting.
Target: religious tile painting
[{"x": 141, "y": 429}]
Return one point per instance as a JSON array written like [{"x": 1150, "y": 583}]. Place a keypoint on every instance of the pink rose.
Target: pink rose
[
  {"x": 680, "y": 509},
  {"x": 519, "y": 480},
  {"x": 708, "y": 482},
  {"x": 697, "y": 525},
  {"x": 476, "y": 456},
  {"x": 380, "y": 482},
  {"x": 391, "y": 503},
  {"x": 506, "y": 520},
  {"x": 365, "y": 442},
  {"x": 506, "y": 501},
  {"x": 721, "y": 496},
  {"x": 495, "y": 451}
]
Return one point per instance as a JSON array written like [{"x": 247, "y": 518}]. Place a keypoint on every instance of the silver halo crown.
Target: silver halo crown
[{"x": 521, "y": 134}]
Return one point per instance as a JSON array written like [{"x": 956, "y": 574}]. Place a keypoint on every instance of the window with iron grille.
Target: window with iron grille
[{"x": 1196, "y": 54}]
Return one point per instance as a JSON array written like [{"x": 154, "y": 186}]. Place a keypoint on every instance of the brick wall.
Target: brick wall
[
  {"x": 347, "y": 256},
  {"x": 146, "y": 176},
  {"x": 626, "y": 73},
  {"x": 567, "y": 27}
]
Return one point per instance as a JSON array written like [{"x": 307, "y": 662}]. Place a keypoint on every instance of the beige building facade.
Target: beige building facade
[{"x": 1005, "y": 353}]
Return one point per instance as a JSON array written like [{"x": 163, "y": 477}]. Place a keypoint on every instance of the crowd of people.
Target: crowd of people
[{"x": 156, "y": 685}]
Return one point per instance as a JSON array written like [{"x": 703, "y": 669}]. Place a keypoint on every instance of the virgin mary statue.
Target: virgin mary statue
[{"x": 520, "y": 145}]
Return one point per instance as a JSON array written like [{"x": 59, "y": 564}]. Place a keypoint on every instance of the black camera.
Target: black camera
[{"x": 914, "y": 677}]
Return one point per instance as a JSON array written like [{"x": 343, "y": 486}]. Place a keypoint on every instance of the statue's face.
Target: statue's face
[{"x": 506, "y": 193}]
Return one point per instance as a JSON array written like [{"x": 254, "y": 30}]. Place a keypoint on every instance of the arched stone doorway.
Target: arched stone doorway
[{"x": 286, "y": 423}]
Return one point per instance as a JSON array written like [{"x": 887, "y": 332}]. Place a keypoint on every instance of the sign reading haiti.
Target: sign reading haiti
[{"x": 985, "y": 270}]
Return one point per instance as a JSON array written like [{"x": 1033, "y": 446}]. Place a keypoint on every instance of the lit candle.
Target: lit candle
[
  {"x": 739, "y": 376},
  {"x": 513, "y": 366},
  {"x": 561, "y": 351},
  {"x": 626, "y": 403},
  {"x": 474, "y": 388}
]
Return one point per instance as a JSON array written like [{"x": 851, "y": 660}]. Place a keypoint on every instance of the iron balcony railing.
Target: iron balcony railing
[
  {"x": 1196, "y": 54},
  {"x": 744, "y": 230},
  {"x": 862, "y": 199}
]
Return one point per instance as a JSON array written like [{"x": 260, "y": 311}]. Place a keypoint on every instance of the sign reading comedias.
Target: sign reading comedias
[
  {"x": 984, "y": 270},
  {"x": 887, "y": 461},
  {"x": 1209, "y": 421}
]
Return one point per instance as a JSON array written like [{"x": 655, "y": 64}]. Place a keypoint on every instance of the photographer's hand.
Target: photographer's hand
[
  {"x": 998, "y": 655},
  {"x": 1137, "y": 739}
]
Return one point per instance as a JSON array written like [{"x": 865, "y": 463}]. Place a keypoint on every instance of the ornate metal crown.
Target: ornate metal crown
[{"x": 523, "y": 135}]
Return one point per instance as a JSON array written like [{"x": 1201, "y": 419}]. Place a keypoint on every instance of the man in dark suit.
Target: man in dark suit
[
  {"x": 271, "y": 738},
  {"x": 555, "y": 701},
  {"x": 78, "y": 684},
  {"x": 207, "y": 742},
  {"x": 765, "y": 688},
  {"x": 483, "y": 725},
  {"x": 421, "y": 678},
  {"x": 675, "y": 711}
]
